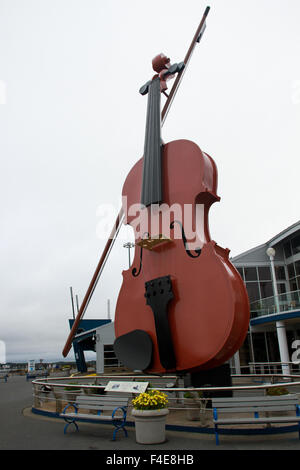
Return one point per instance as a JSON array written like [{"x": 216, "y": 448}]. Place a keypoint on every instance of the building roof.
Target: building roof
[
  {"x": 259, "y": 251},
  {"x": 284, "y": 234}
]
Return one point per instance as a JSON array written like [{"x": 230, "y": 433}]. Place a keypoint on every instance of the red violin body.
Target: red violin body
[
  {"x": 208, "y": 314},
  {"x": 182, "y": 307}
]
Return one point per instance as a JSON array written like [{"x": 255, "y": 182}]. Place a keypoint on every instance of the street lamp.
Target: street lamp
[
  {"x": 271, "y": 253},
  {"x": 280, "y": 326},
  {"x": 129, "y": 245}
]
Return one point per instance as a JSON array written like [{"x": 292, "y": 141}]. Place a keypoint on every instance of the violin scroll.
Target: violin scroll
[{"x": 165, "y": 71}]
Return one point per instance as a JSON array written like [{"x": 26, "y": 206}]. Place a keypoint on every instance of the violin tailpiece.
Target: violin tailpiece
[{"x": 158, "y": 293}]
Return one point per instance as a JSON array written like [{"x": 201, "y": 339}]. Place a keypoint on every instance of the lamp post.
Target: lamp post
[
  {"x": 271, "y": 253},
  {"x": 129, "y": 245},
  {"x": 280, "y": 326}
]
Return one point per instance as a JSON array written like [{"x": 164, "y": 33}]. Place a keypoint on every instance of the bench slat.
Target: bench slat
[
  {"x": 87, "y": 416},
  {"x": 219, "y": 401},
  {"x": 254, "y": 409},
  {"x": 257, "y": 403},
  {"x": 255, "y": 406},
  {"x": 93, "y": 407},
  {"x": 88, "y": 398},
  {"x": 273, "y": 419},
  {"x": 105, "y": 406},
  {"x": 100, "y": 402}
]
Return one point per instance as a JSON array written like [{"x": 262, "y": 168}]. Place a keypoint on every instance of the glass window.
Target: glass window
[
  {"x": 266, "y": 289},
  {"x": 281, "y": 288},
  {"x": 264, "y": 273},
  {"x": 240, "y": 270},
  {"x": 291, "y": 270},
  {"x": 253, "y": 291},
  {"x": 297, "y": 267},
  {"x": 296, "y": 244},
  {"x": 293, "y": 285},
  {"x": 287, "y": 249},
  {"x": 280, "y": 273},
  {"x": 250, "y": 274}
]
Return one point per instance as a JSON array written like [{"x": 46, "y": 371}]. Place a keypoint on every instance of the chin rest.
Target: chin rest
[{"x": 134, "y": 349}]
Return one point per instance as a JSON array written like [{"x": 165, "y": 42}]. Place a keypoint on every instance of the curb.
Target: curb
[{"x": 189, "y": 429}]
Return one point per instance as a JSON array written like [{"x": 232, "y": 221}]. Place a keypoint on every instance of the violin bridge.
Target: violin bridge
[{"x": 151, "y": 243}]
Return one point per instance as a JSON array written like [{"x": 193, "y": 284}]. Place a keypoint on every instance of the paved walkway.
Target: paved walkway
[{"x": 21, "y": 429}]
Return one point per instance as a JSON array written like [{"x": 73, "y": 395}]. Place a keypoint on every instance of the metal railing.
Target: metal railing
[
  {"x": 54, "y": 393},
  {"x": 276, "y": 304},
  {"x": 273, "y": 367}
]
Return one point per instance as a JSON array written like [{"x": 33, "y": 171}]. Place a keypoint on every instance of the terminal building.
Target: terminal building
[{"x": 271, "y": 273}]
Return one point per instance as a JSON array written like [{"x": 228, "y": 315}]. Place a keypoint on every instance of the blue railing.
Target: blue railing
[{"x": 276, "y": 304}]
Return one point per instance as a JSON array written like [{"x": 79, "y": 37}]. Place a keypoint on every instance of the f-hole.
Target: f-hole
[{"x": 184, "y": 240}]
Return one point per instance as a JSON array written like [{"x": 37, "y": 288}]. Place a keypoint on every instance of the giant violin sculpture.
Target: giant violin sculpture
[{"x": 182, "y": 305}]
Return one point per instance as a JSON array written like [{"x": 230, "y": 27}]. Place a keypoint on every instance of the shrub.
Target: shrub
[
  {"x": 193, "y": 395},
  {"x": 276, "y": 391},
  {"x": 73, "y": 389}
]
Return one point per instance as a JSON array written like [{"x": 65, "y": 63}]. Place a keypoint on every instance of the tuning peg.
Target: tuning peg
[
  {"x": 180, "y": 67},
  {"x": 145, "y": 88},
  {"x": 174, "y": 68}
]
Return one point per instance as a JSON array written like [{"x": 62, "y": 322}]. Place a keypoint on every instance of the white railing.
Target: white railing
[
  {"x": 273, "y": 367},
  {"x": 276, "y": 304},
  {"x": 53, "y": 393}
]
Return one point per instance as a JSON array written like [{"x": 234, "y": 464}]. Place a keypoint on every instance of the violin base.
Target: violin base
[
  {"x": 134, "y": 349},
  {"x": 216, "y": 377}
]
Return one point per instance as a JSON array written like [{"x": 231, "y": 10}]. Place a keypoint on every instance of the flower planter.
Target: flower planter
[
  {"x": 192, "y": 409},
  {"x": 59, "y": 396},
  {"x": 150, "y": 426},
  {"x": 204, "y": 419},
  {"x": 71, "y": 396},
  {"x": 71, "y": 392}
]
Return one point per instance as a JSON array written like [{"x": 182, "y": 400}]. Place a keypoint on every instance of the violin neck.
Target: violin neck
[{"x": 152, "y": 175}]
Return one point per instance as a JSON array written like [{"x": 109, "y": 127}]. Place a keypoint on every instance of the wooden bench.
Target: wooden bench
[
  {"x": 255, "y": 405},
  {"x": 116, "y": 405}
]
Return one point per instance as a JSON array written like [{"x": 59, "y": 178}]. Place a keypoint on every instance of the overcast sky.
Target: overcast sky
[{"x": 72, "y": 126}]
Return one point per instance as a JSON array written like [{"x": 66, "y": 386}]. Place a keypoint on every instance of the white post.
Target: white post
[
  {"x": 108, "y": 309},
  {"x": 237, "y": 364},
  {"x": 271, "y": 253},
  {"x": 280, "y": 327},
  {"x": 99, "y": 355},
  {"x": 253, "y": 367},
  {"x": 283, "y": 347}
]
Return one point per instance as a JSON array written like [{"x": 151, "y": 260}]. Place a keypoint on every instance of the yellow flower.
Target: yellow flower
[{"x": 152, "y": 400}]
